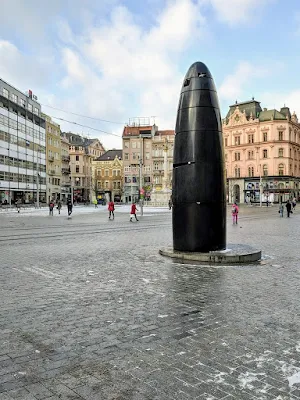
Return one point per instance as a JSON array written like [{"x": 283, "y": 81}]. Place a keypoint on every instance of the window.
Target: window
[
  {"x": 77, "y": 168},
  {"x": 280, "y": 152},
  {"x": 147, "y": 179},
  {"x": 156, "y": 166},
  {"x": 30, "y": 107},
  {"x": 226, "y": 141},
  {"x": 119, "y": 185},
  {"x": 36, "y": 110},
  {"x": 237, "y": 172},
  {"x": 265, "y": 153},
  {"x": 265, "y": 170},
  {"x": 250, "y": 138},
  {"x": 237, "y": 156},
  {"x": 22, "y": 102},
  {"x": 106, "y": 172},
  {"x": 106, "y": 185},
  {"x": 265, "y": 137},
  {"x": 147, "y": 156},
  {"x": 280, "y": 135},
  {"x": 14, "y": 98},
  {"x": 133, "y": 145},
  {"x": 280, "y": 169},
  {"x": 126, "y": 156},
  {"x": 251, "y": 171},
  {"x": 126, "y": 144},
  {"x": 115, "y": 172},
  {"x": 127, "y": 179},
  {"x": 237, "y": 140},
  {"x": 250, "y": 155},
  {"x": 5, "y": 93},
  {"x": 77, "y": 158},
  {"x": 115, "y": 185}
]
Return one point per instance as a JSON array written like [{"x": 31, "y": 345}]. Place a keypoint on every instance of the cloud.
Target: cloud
[
  {"x": 279, "y": 99},
  {"x": 235, "y": 12},
  {"x": 122, "y": 70},
  {"x": 234, "y": 84}
]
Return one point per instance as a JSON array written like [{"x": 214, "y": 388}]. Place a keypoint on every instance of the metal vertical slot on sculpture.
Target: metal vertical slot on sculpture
[{"x": 199, "y": 201}]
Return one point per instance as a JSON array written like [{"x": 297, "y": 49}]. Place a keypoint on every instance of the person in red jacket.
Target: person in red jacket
[
  {"x": 111, "y": 209},
  {"x": 133, "y": 212}
]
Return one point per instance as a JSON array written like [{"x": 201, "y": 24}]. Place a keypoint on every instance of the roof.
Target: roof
[
  {"x": 75, "y": 139},
  {"x": 169, "y": 132},
  {"x": 136, "y": 130},
  {"x": 250, "y": 107},
  {"x": 110, "y": 155},
  {"x": 268, "y": 115}
]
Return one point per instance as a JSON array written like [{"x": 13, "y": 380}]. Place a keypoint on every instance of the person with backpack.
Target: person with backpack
[
  {"x": 111, "y": 209},
  {"x": 133, "y": 212},
  {"x": 234, "y": 212},
  {"x": 51, "y": 206}
]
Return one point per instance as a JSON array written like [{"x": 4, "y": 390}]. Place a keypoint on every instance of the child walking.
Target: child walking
[{"x": 235, "y": 211}]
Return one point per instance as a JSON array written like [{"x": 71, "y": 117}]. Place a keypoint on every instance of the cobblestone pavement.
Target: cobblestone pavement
[{"x": 89, "y": 310}]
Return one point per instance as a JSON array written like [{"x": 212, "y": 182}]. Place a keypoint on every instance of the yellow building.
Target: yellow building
[
  {"x": 65, "y": 169},
  {"x": 53, "y": 159},
  {"x": 107, "y": 172}
]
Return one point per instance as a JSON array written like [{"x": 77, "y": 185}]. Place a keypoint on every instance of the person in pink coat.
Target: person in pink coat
[
  {"x": 111, "y": 209},
  {"x": 234, "y": 212}
]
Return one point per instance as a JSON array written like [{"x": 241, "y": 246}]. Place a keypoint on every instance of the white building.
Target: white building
[{"x": 22, "y": 147}]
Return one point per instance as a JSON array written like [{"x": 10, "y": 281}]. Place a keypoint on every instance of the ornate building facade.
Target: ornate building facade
[
  {"x": 262, "y": 153},
  {"x": 108, "y": 176},
  {"x": 147, "y": 156}
]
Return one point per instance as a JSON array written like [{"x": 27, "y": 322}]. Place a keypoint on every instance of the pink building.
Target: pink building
[{"x": 262, "y": 153}]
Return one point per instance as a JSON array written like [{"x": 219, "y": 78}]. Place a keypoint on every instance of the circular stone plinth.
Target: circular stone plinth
[{"x": 234, "y": 254}]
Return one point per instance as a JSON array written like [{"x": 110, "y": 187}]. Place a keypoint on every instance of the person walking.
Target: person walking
[
  {"x": 59, "y": 206},
  {"x": 111, "y": 209},
  {"x": 96, "y": 203},
  {"x": 170, "y": 204},
  {"x": 281, "y": 209},
  {"x": 234, "y": 212},
  {"x": 133, "y": 212},
  {"x": 294, "y": 202},
  {"x": 288, "y": 208},
  {"x": 70, "y": 207},
  {"x": 51, "y": 206}
]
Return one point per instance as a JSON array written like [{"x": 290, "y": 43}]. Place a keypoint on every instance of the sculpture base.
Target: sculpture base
[
  {"x": 234, "y": 254},
  {"x": 161, "y": 197}
]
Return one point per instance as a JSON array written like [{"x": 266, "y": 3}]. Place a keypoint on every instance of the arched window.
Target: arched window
[
  {"x": 265, "y": 136},
  {"x": 265, "y": 170},
  {"x": 265, "y": 153},
  {"x": 280, "y": 152},
  {"x": 280, "y": 169},
  {"x": 251, "y": 171}
]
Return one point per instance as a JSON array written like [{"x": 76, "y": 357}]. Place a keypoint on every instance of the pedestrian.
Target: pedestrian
[
  {"x": 70, "y": 207},
  {"x": 294, "y": 202},
  {"x": 234, "y": 212},
  {"x": 51, "y": 206},
  {"x": 111, "y": 209},
  {"x": 96, "y": 203},
  {"x": 170, "y": 204},
  {"x": 288, "y": 208},
  {"x": 59, "y": 206},
  {"x": 281, "y": 209},
  {"x": 133, "y": 212}
]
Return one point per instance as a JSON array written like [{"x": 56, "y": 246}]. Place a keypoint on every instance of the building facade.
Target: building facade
[
  {"x": 108, "y": 176},
  {"x": 147, "y": 161},
  {"x": 262, "y": 153},
  {"x": 53, "y": 159},
  {"x": 22, "y": 147},
  {"x": 82, "y": 151},
  {"x": 65, "y": 170}
]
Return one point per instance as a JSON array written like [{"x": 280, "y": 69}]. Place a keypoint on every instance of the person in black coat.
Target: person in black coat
[{"x": 288, "y": 208}]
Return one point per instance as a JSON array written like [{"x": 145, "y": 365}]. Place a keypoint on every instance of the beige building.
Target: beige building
[
  {"x": 53, "y": 159},
  {"x": 108, "y": 176},
  {"x": 65, "y": 169},
  {"x": 147, "y": 156},
  {"x": 262, "y": 153},
  {"x": 82, "y": 151}
]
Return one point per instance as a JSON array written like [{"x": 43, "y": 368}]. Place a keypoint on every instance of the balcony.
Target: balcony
[
  {"x": 158, "y": 172},
  {"x": 51, "y": 159},
  {"x": 65, "y": 171},
  {"x": 51, "y": 172},
  {"x": 65, "y": 158}
]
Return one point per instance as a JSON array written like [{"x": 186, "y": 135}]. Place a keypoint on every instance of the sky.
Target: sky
[{"x": 114, "y": 60}]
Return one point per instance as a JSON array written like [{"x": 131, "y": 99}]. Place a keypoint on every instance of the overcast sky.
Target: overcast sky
[{"x": 114, "y": 59}]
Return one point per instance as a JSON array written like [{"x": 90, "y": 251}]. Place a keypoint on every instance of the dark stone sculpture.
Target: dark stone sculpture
[{"x": 199, "y": 204}]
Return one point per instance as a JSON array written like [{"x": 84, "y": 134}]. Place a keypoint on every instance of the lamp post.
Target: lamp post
[{"x": 37, "y": 180}]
